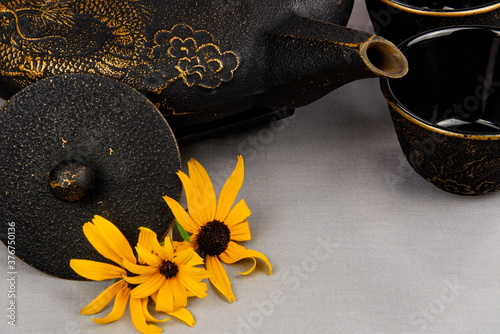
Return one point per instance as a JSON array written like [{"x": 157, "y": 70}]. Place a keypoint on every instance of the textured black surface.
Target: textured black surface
[
  {"x": 210, "y": 62},
  {"x": 103, "y": 124}
]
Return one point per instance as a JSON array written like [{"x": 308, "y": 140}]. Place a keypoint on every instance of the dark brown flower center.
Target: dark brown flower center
[
  {"x": 169, "y": 269},
  {"x": 214, "y": 238}
]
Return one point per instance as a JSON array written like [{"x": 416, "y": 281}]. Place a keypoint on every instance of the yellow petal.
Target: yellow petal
[
  {"x": 96, "y": 271},
  {"x": 104, "y": 298},
  {"x": 235, "y": 253},
  {"x": 117, "y": 241},
  {"x": 195, "y": 202},
  {"x": 181, "y": 215},
  {"x": 181, "y": 245},
  {"x": 239, "y": 213},
  {"x": 204, "y": 286},
  {"x": 149, "y": 287},
  {"x": 169, "y": 249},
  {"x": 139, "y": 269},
  {"x": 194, "y": 242},
  {"x": 251, "y": 269},
  {"x": 154, "y": 296},
  {"x": 196, "y": 260},
  {"x": 241, "y": 231},
  {"x": 219, "y": 279},
  {"x": 157, "y": 248},
  {"x": 146, "y": 237},
  {"x": 187, "y": 259},
  {"x": 139, "y": 318},
  {"x": 136, "y": 280},
  {"x": 192, "y": 285},
  {"x": 165, "y": 298},
  {"x": 179, "y": 294},
  {"x": 148, "y": 257},
  {"x": 95, "y": 238},
  {"x": 187, "y": 256},
  {"x": 202, "y": 181},
  {"x": 118, "y": 307},
  {"x": 183, "y": 314},
  {"x": 230, "y": 191},
  {"x": 146, "y": 240},
  {"x": 148, "y": 315},
  {"x": 197, "y": 274}
]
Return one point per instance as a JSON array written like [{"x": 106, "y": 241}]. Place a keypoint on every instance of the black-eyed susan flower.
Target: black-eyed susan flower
[
  {"x": 107, "y": 239},
  {"x": 169, "y": 275},
  {"x": 216, "y": 226}
]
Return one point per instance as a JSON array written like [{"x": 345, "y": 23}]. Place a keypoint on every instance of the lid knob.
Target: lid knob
[{"x": 70, "y": 181}]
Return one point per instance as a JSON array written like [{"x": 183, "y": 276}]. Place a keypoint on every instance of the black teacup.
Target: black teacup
[
  {"x": 398, "y": 20},
  {"x": 446, "y": 110}
]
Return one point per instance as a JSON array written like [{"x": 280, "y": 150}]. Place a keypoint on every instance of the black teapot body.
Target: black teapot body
[{"x": 202, "y": 63}]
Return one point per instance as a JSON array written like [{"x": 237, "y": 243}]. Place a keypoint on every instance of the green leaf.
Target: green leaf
[{"x": 182, "y": 231}]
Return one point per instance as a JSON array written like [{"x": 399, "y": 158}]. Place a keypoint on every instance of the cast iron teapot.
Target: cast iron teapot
[{"x": 204, "y": 64}]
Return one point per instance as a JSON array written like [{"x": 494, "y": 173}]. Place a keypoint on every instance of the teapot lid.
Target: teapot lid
[{"x": 74, "y": 146}]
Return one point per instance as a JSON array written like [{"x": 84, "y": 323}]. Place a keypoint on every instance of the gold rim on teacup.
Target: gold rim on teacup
[
  {"x": 487, "y": 7},
  {"x": 407, "y": 114}
]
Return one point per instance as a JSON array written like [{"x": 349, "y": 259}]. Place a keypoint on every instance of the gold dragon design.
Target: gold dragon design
[{"x": 41, "y": 38}]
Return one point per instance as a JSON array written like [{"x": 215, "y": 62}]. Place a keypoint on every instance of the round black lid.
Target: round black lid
[{"x": 74, "y": 146}]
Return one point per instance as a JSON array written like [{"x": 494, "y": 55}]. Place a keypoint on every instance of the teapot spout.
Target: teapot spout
[{"x": 307, "y": 59}]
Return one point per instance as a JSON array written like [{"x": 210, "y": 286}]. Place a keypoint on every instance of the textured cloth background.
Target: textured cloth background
[{"x": 359, "y": 242}]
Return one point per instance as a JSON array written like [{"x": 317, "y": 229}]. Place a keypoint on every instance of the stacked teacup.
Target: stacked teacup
[{"x": 446, "y": 110}]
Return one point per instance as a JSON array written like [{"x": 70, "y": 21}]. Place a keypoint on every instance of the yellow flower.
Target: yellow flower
[
  {"x": 169, "y": 275},
  {"x": 112, "y": 244},
  {"x": 216, "y": 225}
]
